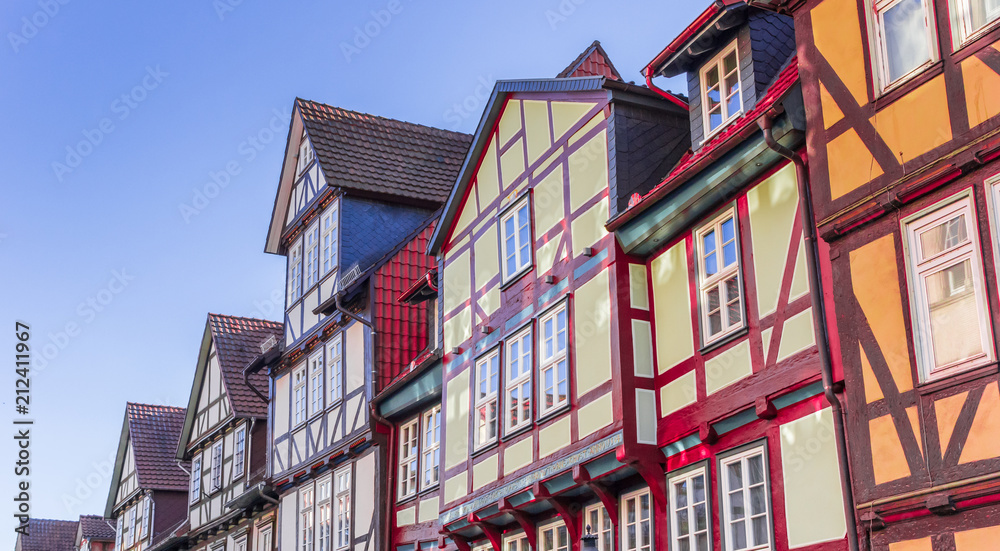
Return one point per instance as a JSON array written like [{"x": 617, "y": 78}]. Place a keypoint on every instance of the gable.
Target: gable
[
  {"x": 296, "y": 189},
  {"x": 128, "y": 482},
  {"x": 208, "y": 406}
]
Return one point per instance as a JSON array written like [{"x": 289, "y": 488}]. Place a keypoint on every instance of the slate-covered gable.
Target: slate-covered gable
[{"x": 370, "y": 229}]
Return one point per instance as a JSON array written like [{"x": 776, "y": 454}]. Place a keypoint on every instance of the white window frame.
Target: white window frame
[
  {"x": 717, "y": 281},
  {"x": 295, "y": 271},
  {"x": 335, "y": 361},
  {"x": 623, "y": 521},
  {"x": 130, "y": 532},
  {"x": 195, "y": 486},
  {"x": 554, "y": 527},
  {"x": 880, "y": 61},
  {"x": 343, "y": 508},
  {"x": 688, "y": 478},
  {"x": 240, "y": 543},
  {"x": 324, "y": 510},
  {"x": 430, "y": 448},
  {"x": 717, "y": 63},
  {"x": 299, "y": 396},
  {"x": 329, "y": 223},
  {"x": 239, "y": 452},
  {"x": 307, "y": 518},
  {"x": 119, "y": 530},
  {"x": 521, "y": 383},
  {"x": 265, "y": 538},
  {"x": 316, "y": 387},
  {"x": 513, "y": 542},
  {"x": 216, "y": 472},
  {"x": 483, "y": 401},
  {"x": 147, "y": 511},
  {"x": 548, "y": 362},
  {"x": 409, "y": 458},
  {"x": 743, "y": 457},
  {"x": 917, "y": 268},
  {"x": 962, "y": 24},
  {"x": 514, "y": 212},
  {"x": 599, "y": 529},
  {"x": 305, "y": 156},
  {"x": 311, "y": 244}
]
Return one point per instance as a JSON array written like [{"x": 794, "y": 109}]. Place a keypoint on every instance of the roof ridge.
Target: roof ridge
[
  {"x": 245, "y": 318},
  {"x": 380, "y": 117}
]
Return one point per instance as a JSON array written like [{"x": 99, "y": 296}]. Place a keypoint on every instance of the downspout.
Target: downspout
[
  {"x": 819, "y": 319},
  {"x": 672, "y": 98},
  {"x": 248, "y": 453},
  {"x": 246, "y": 381}
]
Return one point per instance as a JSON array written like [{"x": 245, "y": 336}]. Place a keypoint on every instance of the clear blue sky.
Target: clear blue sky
[{"x": 113, "y": 117}]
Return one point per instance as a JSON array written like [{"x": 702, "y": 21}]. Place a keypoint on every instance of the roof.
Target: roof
[
  {"x": 49, "y": 535},
  {"x": 237, "y": 342},
  {"x": 373, "y": 154},
  {"x": 691, "y": 163},
  {"x": 704, "y": 21},
  {"x": 96, "y": 527},
  {"x": 592, "y": 62},
  {"x": 154, "y": 431}
]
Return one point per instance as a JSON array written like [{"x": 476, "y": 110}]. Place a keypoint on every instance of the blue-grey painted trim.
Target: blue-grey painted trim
[
  {"x": 422, "y": 389},
  {"x": 803, "y": 393},
  {"x": 551, "y": 293},
  {"x": 683, "y": 444},
  {"x": 734, "y": 422},
  {"x": 519, "y": 317},
  {"x": 590, "y": 264}
]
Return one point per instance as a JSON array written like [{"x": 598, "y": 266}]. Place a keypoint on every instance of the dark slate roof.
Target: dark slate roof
[
  {"x": 372, "y": 154},
  {"x": 592, "y": 62},
  {"x": 155, "y": 431},
  {"x": 96, "y": 527},
  {"x": 49, "y": 535},
  {"x": 237, "y": 343}
]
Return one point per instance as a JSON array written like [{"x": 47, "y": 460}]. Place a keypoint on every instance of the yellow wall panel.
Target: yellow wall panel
[
  {"x": 909, "y": 136},
  {"x": 406, "y": 517},
  {"x": 548, "y": 198},
  {"x": 947, "y": 411},
  {"x": 518, "y": 455},
  {"x": 796, "y": 334},
  {"x": 975, "y": 540},
  {"x": 889, "y": 461},
  {"x": 489, "y": 301},
  {"x": 588, "y": 171},
  {"x": 545, "y": 256},
  {"x": 428, "y": 509},
  {"x": 837, "y": 36},
  {"x": 485, "y": 472},
  {"x": 536, "y": 128},
  {"x": 982, "y": 90},
  {"x": 876, "y": 286},
  {"x": 512, "y": 163},
  {"x": 457, "y": 281},
  {"x": 772, "y": 205},
  {"x": 765, "y": 340},
  {"x": 467, "y": 213},
  {"x": 800, "y": 276},
  {"x": 510, "y": 121},
  {"x": 728, "y": 367},
  {"x": 983, "y": 442},
  {"x": 637, "y": 286},
  {"x": 850, "y": 163},
  {"x": 678, "y": 393},
  {"x": 544, "y": 165},
  {"x": 914, "y": 416},
  {"x": 594, "y": 121},
  {"x": 592, "y": 339},
  {"x": 487, "y": 256},
  {"x": 922, "y": 544},
  {"x": 831, "y": 112},
  {"x": 595, "y": 416},
  {"x": 809, "y": 465},
  {"x": 873, "y": 391},
  {"x": 567, "y": 113},
  {"x": 488, "y": 177},
  {"x": 588, "y": 228},
  {"x": 672, "y": 307},
  {"x": 456, "y": 423},
  {"x": 553, "y": 437},
  {"x": 458, "y": 328},
  {"x": 456, "y": 487}
]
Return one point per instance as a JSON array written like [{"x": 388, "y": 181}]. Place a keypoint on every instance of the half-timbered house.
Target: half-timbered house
[
  {"x": 95, "y": 533},
  {"x": 543, "y": 430},
  {"x": 724, "y": 276},
  {"x": 355, "y": 204},
  {"x": 903, "y": 137},
  {"x": 148, "y": 494}
]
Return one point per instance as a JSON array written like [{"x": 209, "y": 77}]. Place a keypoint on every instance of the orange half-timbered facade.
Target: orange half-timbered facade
[{"x": 903, "y": 136}]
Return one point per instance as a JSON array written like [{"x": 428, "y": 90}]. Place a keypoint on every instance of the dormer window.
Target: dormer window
[
  {"x": 720, "y": 89},
  {"x": 305, "y": 154}
]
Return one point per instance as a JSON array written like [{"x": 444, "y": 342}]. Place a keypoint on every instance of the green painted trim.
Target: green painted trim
[{"x": 421, "y": 390}]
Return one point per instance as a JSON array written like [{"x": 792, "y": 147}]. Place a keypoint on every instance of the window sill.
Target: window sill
[
  {"x": 428, "y": 490},
  {"x": 485, "y": 448},
  {"x": 722, "y": 341},
  {"x": 944, "y": 382},
  {"x": 908, "y": 84},
  {"x": 516, "y": 277},
  {"x": 977, "y": 41},
  {"x": 552, "y": 414},
  {"x": 400, "y": 501},
  {"x": 517, "y": 432}
]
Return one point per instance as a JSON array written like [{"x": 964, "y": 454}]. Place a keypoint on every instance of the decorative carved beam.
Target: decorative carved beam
[
  {"x": 460, "y": 541},
  {"x": 492, "y": 532},
  {"x": 655, "y": 479},
  {"x": 608, "y": 498},
  {"x": 568, "y": 510},
  {"x": 523, "y": 520}
]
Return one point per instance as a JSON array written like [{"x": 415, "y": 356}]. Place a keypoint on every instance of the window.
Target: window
[
  {"x": 971, "y": 16},
  {"x": 553, "y": 537},
  {"x": 431, "y": 447},
  {"x": 316, "y": 383},
  {"x": 334, "y": 354},
  {"x": 130, "y": 531},
  {"x": 195, "y": 480},
  {"x": 328, "y": 225},
  {"x": 515, "y": 229},
  {"x": 306, "y": 519},
  {"x": 408, "y": 454},
  {"x": 241, "y": 544},
  {"x": 518, "y": 542},
  {"x": 553, "y": 366},
  {"x": 721, "y": 98},
  {"x": 636, "y": 522},
  {"x": 239, "y": 453},
  {"x": 690, "y": 525},
  {"x": 147, "y": 511},
  {"x": 600, "y": 525},
  {"x": 719, "y": 277},
  {"x": 486, "y": 398},
  {"x": 343, "y": 499},
  {"x": 951, "y": 326},
  {"x": 518, "y": 367},
  {"x": 295, "y": 272},
  {"x": 746, "y": 520},
  {"x": 305, "y": 154},
  {"x": 325, "y": 506},
  {"x": 118, "y": 532},
  {"x": 264, "y": 539},
  {"x": 299, "y": 379},
  {"x": 903, "y": 35},
  {"x": 217, "y": 466},
  {"x": 312, "y": 256}
]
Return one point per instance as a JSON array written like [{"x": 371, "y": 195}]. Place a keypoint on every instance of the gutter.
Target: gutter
[
  {"x": 670, "y": 97},
  {"x": 821, "y": 332}
]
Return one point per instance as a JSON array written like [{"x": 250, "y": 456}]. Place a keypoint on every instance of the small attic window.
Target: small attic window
[
  {"x": 721, "y": 98},
  {"x": 305, "y": 154}
]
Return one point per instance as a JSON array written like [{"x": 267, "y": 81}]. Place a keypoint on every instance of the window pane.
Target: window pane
[
  {"x": 735, "y": 476},
  {"x": 736, "y": 505},
  {"x": 954, "y": 314},
  {"x": 733, "y": 309},
  {"x": 943, "y": 237},
  {"x": 755, "y": 465},
  {"x": 682, "y": 523},
  {"x": 905, "y": 35},
  {"x": 681, "y": 489},
  {"x": 760, "y": 535},
  {"x": 982, "y": 12},
  {"x": 698, "y": 485},
  {"x": 702, "y": 542},
  {"x": 739, "y": 535},
  {"x": 758, "y": 504},
  {"x": 700, "y": 517},
  {"x": 729, "y": 63}
]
